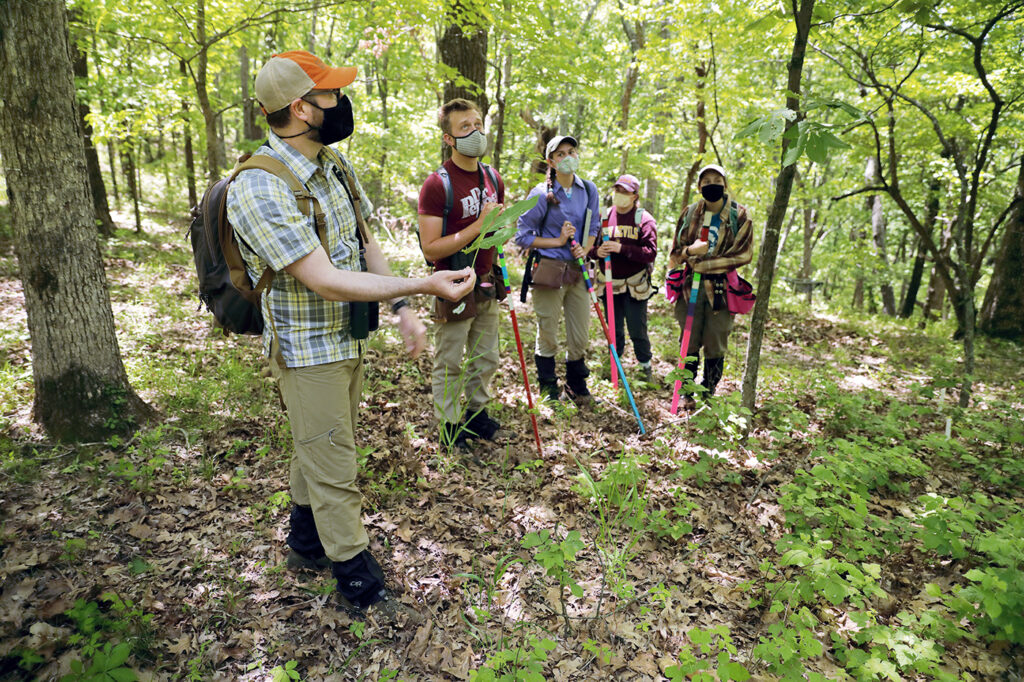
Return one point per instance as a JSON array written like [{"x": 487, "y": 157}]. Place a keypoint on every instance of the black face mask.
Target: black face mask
[
  {"x": 712, "y": 193},
  {"x": 337, "y": 124}
]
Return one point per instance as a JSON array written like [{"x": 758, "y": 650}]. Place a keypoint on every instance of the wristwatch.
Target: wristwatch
[{"x": 398, "y": 305}]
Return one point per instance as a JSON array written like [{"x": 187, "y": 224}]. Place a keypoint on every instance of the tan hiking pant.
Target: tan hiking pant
[
  {"x": 322, "y": 403},
  {"x": 477, "y": 340},
  {"x": 550, "y": 305}
]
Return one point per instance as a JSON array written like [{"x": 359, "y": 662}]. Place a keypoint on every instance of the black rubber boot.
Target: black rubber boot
[
  {"x": 302, "y": 535},
  {"x": 546, "y": 378},
  {"x": 576, "y": 374},
  {"x": 713, "y": 369}
]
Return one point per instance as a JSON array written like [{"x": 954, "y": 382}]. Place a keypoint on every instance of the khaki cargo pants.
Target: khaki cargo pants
[
  {"x": 322, "y": 403},
  {"x": 572, "y": 301},
  {"x": 477, "y": 340}
]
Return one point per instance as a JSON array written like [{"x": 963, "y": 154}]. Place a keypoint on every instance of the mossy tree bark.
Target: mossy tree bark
[{"x": 81, "y": 388}]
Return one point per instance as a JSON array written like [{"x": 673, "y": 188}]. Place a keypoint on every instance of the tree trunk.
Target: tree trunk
[
  {"x": 504, "y": 77},
  {"x": 783, "y": 187},
  {"x": 215, "y": 155},
  {"x": 917, "y": 274},
  {"x": 463, "y": 48},
  {"x": 81, "y": 388},
  {"x": 128, "y": 168},
  {"x": 112, "y": 157},
  {"x": 92, "y": 158},
  {"x": 190, "y": 157},
  {"x": 250, "y": 129},
  {"x": 872, "y": 176},
  {"x": 1002, "y": 312}
]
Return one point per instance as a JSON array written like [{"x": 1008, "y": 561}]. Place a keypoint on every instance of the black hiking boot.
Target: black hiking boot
[
  {"x": 713, "y": 370},
  {"x": 576, "y": 374},
  {"x": 546, "y": 378}
]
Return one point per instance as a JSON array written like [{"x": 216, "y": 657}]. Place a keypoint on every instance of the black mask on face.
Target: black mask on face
[
  {"x": 712, "y": 193},
  {"x": 337, "y": 124}
]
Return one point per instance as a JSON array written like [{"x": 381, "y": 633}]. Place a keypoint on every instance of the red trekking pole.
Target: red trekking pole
[{"x": 519, "y": 347}]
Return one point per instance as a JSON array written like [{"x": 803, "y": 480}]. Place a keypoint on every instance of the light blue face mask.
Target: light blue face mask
[{"x": 568, "y": 165}]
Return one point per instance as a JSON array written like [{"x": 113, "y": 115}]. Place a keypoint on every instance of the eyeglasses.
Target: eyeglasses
[{"x": 336, "y": 95}]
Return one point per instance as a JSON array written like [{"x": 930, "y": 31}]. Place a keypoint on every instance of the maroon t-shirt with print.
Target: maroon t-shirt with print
[{"x": 467, "y": 201}]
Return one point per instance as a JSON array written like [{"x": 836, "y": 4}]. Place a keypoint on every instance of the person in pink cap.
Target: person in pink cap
[
  {"x": 630, "y": 239},
  {"x": 319, "y": 308}
]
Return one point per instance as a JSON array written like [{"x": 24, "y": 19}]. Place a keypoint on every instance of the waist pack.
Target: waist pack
[
  {"x": 551, "y": 273},
  {"x": 638, "y": 284},
  {"x": 488, "y": 288},
  {"x": 739, "y": 294},
  {"x": 674, "y": 284}
]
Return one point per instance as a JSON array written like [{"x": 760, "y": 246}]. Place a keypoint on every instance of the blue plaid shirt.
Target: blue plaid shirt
[{"x": 273, "y": 232}]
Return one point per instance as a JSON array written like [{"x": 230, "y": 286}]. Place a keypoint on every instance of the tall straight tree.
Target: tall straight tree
[
  {"x": 81, "y": 388},
  {"x": 802, "y": 12}
]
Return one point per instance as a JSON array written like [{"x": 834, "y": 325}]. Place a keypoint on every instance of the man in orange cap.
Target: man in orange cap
[{"x": 320, "y": 307}]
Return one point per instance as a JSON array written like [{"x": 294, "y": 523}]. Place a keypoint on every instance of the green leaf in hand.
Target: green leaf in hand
[{"x": 499, "y": 227}]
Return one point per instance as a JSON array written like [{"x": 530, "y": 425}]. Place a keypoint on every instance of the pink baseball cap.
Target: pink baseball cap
[{"x": 628, "y": 182}]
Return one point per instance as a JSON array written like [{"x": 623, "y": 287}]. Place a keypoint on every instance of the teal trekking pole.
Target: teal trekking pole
[{"x": 607, "y": 336}]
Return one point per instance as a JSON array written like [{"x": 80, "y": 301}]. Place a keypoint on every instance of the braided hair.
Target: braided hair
[{"x": 552, "y": 199}]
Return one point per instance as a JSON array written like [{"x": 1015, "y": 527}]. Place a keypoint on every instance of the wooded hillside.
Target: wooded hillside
[{"x": 848, "y": 506}]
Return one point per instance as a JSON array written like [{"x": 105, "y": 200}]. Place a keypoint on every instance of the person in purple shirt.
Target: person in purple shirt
[
  {"x": 630, "y": 239},
  {"x": 567, "y": 210}
]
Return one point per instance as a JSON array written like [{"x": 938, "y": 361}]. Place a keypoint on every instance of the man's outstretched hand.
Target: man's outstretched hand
[{"x": 451, "y": 284}]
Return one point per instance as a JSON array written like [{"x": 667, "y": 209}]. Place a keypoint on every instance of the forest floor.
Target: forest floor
[{"x": 848, "y": 536}]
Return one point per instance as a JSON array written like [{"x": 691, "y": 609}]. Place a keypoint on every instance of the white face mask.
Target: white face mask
[
  {"x": 472, "y": 145},
  {"x": 623, "y": 201},
  {"x": 568, "y": 165}
]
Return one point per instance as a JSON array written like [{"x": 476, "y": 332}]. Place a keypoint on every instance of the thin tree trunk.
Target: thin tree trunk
[
  {"x": 190, "y": 157},
  {"x": 250, "y": 128},
  {"x": 112, "y": 156},
  {"x": 917, "y": 274},
  {"x": 128, "y": 167},
  {"x": 215, "y": 155},
  {"x": 81, "y": 388},
  {"x": 92, "y": 159},
  {"x": 783, "y": 187}
]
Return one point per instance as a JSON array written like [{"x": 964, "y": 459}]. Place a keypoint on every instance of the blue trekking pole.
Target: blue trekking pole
[{"x": 607, "y": 335}]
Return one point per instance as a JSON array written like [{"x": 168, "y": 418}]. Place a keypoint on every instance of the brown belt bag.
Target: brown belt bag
[
  {"x": 465, "y": 308},
  {"x": 551, "y": 273}
]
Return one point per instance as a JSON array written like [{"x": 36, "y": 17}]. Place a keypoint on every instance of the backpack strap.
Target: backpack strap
[
  {"x": 449, "y": 197},
  {"x": 490, "y": 176},
  {"x": 349, "y": 183},
  {"x": 687, "y": 218},
  {"x": 308, "y": 204}
]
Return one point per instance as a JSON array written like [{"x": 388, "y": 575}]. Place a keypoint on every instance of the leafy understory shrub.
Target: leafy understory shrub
[
  {"x": 524, "y": 663},
  {"x": 713, "y": 660}
]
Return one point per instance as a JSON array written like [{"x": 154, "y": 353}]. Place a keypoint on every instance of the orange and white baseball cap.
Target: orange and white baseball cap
[{"x": 290, "y": 75}]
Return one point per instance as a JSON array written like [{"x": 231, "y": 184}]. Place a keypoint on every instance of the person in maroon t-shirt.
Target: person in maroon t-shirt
[
  {"x": 630, "y": 238},
  {"x": 469, "y": 328}
]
